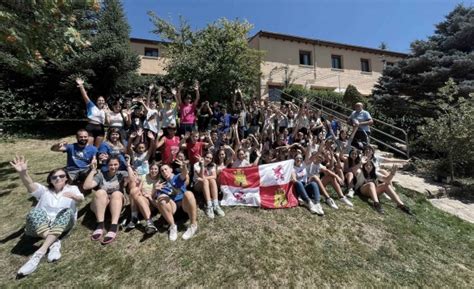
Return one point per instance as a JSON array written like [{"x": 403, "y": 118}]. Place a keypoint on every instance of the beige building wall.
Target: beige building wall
[
  {"x": 148, "y": 64},
  {"x": 280, "y": 54}
]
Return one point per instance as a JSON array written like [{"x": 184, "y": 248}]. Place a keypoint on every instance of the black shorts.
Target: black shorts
[{"x": 95, "y": 130}]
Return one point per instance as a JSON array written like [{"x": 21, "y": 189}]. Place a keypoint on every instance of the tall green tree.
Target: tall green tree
[
  {"x": 218, "y": 56},
  {"x": 109, "y": 64},
  {"x": 408, "y": 91}
]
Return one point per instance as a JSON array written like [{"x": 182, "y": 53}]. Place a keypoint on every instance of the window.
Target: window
[
  {"x": 305, "y": 58},
  {"x": 274, "y": 92},
  {"x": 336, "y": 61},
  {"x": 152, "y": 52},
  {"x": 365, "y": 65}
]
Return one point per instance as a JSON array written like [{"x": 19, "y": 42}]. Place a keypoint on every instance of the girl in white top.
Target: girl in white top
[
  {"x": 167, "y": 113},
  {"x": 54, "y": 214},
  {"x": 205, "y": 175},
  {"x": 95, "y": 114}
]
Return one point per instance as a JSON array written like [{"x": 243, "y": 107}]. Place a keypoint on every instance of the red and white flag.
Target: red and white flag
[{"x": 266, "y": 186}]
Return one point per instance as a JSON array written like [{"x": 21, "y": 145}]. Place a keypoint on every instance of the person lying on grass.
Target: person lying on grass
[
  {"x": 54, "y": 215},
  {"x": 368, "y": 185},
  {"x": 111, "y": 186},
  {"x": 171, "y": 195}
]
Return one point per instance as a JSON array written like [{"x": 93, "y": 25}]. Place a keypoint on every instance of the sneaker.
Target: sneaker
[
  {"x": 218, "y": 210},
  {"x": 346, "y": 202},
  {"x": 350, "y": 193},
  {"x": 31, "y": 265},
  {"x": 307, "y": 205},
  {"x": 132, "y": 224},
  {"x": 378, "y": 208},
  {"x": 301, "y": 202},
  {"x": 54, "y": 253},
  {"x": 318, "y": 209},
  {"x": 190, "y": 232},
  {"x": 405, "y": 209},
  {"x": 150, "y": 228},
  {"x": 312, "y": 209},
  {"x": 331, "y": 203},
  {"x": 173, "y": 235},
  {"x": 210, "y": 212}
]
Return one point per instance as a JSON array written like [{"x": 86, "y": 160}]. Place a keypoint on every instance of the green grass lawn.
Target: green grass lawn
[{"x": 247, "y": 248}]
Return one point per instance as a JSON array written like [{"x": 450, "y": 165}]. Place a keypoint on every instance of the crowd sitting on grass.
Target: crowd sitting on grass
[{"x": 165, "y": 155}]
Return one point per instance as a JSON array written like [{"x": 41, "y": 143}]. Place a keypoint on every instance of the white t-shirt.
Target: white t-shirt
[
  {"x": 208, "y": 171},
  {"x": 94, "y": 113},
  {"x": 53, "y": 202},
  {"x": 151, "y": 121},
  {"x": 240, "y": 164},
  {"x": 168, "y": 117},
  {"x": 115, "y": 119}
]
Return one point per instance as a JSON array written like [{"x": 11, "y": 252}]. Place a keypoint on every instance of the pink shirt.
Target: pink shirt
[{"x": 187, "y": 113}]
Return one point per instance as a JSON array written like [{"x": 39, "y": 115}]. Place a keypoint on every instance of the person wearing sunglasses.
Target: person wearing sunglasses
[{"x": 54, "y": 214}]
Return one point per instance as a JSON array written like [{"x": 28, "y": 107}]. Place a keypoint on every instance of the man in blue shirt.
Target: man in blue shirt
[
  {"x": 361, "y": 118},
  {"x": 79, "y": 155}
]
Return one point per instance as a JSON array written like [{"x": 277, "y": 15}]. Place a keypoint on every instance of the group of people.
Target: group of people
[{"x": 164, "y": 151}]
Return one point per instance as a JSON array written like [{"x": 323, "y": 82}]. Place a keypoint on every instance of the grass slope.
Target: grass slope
[{"x": 249, "y": 247}]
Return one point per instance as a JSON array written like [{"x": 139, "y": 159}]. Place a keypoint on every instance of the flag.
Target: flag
[{"x": 266, "y": 186}]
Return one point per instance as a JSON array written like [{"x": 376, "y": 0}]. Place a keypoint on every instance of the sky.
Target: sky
[{"x": 357, "y": 22}]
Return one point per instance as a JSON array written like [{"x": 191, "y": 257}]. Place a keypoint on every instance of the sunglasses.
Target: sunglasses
[
  {"x": 58, "y": 177},
  {"x": 299, "y": 159}
]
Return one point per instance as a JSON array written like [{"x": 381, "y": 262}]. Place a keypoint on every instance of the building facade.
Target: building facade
[
  {"x": 318, "y": 64},
  {"x": 152, "y": 55},
  {"x": 311, "y": 63}
]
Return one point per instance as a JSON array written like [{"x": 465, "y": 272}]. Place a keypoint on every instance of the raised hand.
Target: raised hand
[
  {"x": 159, "y": 89},
  {"x": 151, "y": 86},
  {"x": 140, "y": 132},
  {"x": 159, "y": 186},
  {"x": 196, "y": 85},
  {"x": 93, "y": 164},
  {"x": 128, "y": 160},
  {"x": 150, "y": 135},
  {"x": 79, "y": 81},
  {"x": 19, "y": 164},
  {"x": 174, "y": 91},
  {"x": 393, "y": 169},
  {"x": 133, "y": 135}
]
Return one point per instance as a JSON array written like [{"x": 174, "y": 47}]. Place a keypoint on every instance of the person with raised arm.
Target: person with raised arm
[
  {"x": 171, "y": 195},
  {"x": 205, "y": 181},
  {"x": 187, "y": 109},
  {"x": 54, "y": 214},
  {"x": 95, "y": 115},
  {"x": 79, "y": 155}
]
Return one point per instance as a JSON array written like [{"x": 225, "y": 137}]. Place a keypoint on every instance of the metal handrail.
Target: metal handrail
[{"x": 343, "y": 117}]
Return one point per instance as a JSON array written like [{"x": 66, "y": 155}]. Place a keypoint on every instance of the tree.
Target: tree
[
  {"x": 37, "y": 33},
  {"x": 109, "y": 64},
  {"x": 451, "y": 134},
  {"x": 352, "y": 95},
  {"x": 218, "y": 56},
  {"x": 409, "y": 89}
]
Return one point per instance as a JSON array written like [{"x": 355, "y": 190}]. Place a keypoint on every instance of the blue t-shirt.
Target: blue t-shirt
[
  {"x": 79, "y": 157},
  {"x": 174, "y": 188},
  {"x": 107, "y": 148},
  {"x": 361, "y": 116}
]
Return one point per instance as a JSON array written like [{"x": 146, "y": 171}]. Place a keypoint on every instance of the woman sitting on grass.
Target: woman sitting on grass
[
  {"x": 54, "y": 215},
  {"x": 111, "y": 186},
  {"x": 368, "y": 185},
  {"x": 171, "y": 195},
  {"x": 142, "y": 196},
  {"x": 205, "y": 181}
]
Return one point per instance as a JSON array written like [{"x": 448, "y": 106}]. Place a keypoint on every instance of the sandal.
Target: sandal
[
  {"x": 109, "y": 237},
  {"x": 97, "y": 234}
]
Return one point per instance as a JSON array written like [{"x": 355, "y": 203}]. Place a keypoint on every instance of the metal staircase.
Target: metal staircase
[{"x": 385, "y": 135}]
